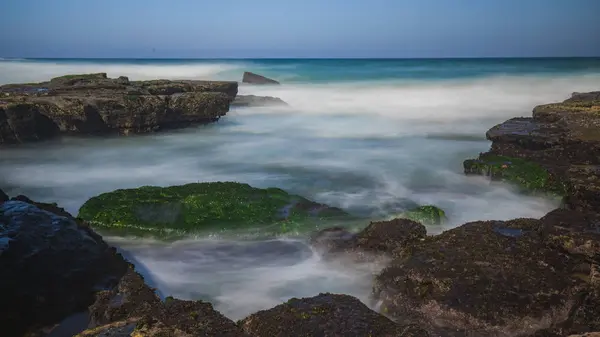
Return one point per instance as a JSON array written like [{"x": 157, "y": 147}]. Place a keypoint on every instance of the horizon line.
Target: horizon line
[{"x": 7, "y": 58}]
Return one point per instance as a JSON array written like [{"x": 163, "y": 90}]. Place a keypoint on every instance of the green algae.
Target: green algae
[
  {"x": 183, "y": 209},
  {"x": 426, "y": 215},
  {"x": 527, "y": 175}
]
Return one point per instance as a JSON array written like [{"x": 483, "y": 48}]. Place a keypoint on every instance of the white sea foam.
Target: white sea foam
[
  {"x": 14, "y": 71},
  {"x": 372, "y": 148}
]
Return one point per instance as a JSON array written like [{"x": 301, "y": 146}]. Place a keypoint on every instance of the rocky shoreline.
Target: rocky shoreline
[{"x": 522, "y": 277}]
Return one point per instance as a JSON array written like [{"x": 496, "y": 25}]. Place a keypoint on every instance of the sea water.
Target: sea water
[{"x": 370, "y": 136}]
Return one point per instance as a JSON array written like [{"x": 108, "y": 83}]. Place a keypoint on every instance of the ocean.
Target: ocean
[{"x": 373, "y": 137}]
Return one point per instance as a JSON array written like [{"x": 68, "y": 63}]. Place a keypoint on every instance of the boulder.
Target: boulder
[
  {"x": 257, "y": 79},
  {"x": 487, "y": 278},
  {"x": 378, "y": 239},
  {"x": 324, "y": 315},
  {"x": 93, "y": 104},
  {"x": 203, "y": 206},
  {"x": 257, "y": 101},
  {"x": 51, "y": 267}
]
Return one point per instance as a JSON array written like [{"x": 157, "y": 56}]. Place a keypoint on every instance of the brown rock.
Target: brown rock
[
  {"x": 491, "y": 278},
  {"x": 187, "y": 318},
  {"x": 128, "y": 301},
  {"x": 378, "y": 239},
  {"x": 564, "y": 138},
  {"x": 93, "y": 104},
  {"x": 324, "y": 315}
]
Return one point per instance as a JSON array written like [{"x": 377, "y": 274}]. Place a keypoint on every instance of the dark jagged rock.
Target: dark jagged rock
[
  {"x": 556, "y": 150},
  {"x": 3, "y": 196},
  {"x": 257, "y": 79},
  {"x": 257, "y": 101},
  {"x": 379, "y": 238},
  {"x": 52, "y": 208},
  {"x": 50, "y": 266},
  {"x": 93, "y": 104},
  {"x": 324, "y": 315}
]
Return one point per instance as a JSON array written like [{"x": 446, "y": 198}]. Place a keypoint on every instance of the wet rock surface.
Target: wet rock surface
[
  {"x": 51, "y": 267},
  {"x": 93, "y": 104},
  {"x": 324, "y": 315}
]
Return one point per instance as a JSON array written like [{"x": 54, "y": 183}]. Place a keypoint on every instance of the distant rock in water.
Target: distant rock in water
[
  {"x": 257, "y": 79},
  {"x": 93, "y": 104},
  {"x": 257, "y": 101}
]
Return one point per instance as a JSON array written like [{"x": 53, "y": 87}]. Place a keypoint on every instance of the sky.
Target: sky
[{"x": 298, "y": 28}]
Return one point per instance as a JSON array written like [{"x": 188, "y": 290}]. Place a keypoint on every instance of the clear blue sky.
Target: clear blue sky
[{"x": 299, "y": 28}]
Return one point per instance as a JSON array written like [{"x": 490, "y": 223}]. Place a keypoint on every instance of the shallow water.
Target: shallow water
[{"x": 373, "y": 147}]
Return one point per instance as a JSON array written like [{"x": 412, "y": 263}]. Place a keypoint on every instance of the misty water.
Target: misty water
[{"x": 373, "y": 147}]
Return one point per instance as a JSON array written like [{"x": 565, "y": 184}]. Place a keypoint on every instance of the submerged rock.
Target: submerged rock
[
  {"x": 50, "y": 265},
  {"x": 257, "y": 101},
  {"x": 257, "y": 79},
  {"x": 324, "y": 315},
  {"x": 202, "y": 206},
  {"x": 93, "y": 104},
  {"x": 427, "y": 215},
  {"x": 379, "y": 239}
]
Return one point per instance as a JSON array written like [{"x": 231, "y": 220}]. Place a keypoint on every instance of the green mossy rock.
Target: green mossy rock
[
  {"x": 529, "y": 176},
  {"x": 203, "y": 206},
  {"x": 426, "y": 215}
]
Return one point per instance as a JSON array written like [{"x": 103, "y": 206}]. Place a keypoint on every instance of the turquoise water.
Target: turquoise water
[
  {"x": 339, "y": 70},
  {"x": 371, "y": 136}
]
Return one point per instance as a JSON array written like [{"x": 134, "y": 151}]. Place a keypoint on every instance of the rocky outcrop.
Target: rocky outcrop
[
  {"x": 556, "y": 150},
  {"x": 50, "y": 266},
  {"x": 257, "y": 101},
  {"x": 493, "y": 278},
  {"x": 324, "y": 315},
  {"x": 93, "y": 104},
  {"x": 253, "y": 78}
]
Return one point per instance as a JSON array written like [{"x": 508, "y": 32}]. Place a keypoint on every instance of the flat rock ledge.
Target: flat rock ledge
[{"x": 93, "y": 104}]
